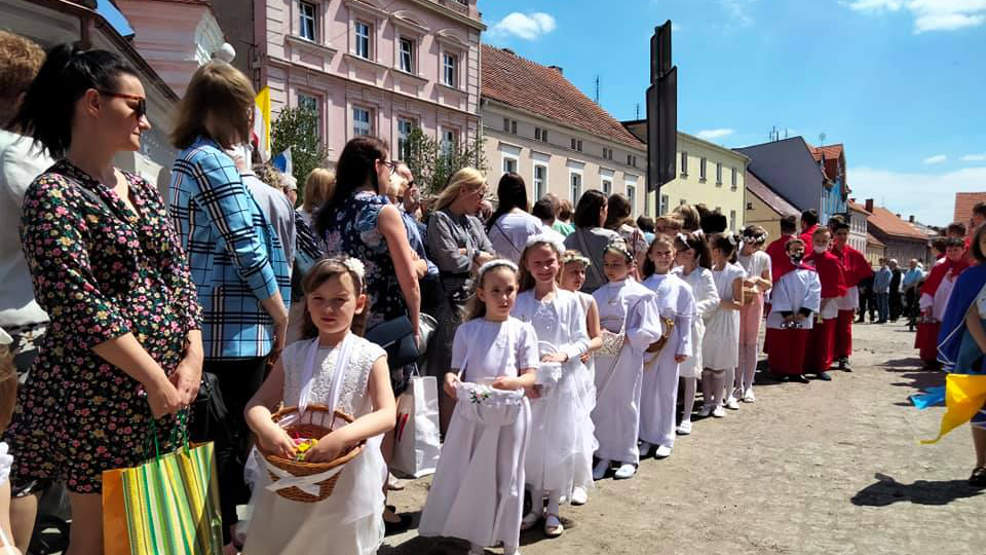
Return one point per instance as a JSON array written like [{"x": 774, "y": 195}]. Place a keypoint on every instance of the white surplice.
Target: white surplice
[
  {"x": 477, "y": 493},
  {"x": 558, "y": 417},
  {"x": 795, "y": 290},
  {"x": 659, "y": 393},
  {"x": 720, "y": 349},
  {"x": 706, "y": 300},
  {"x": 624, "y": 305}
]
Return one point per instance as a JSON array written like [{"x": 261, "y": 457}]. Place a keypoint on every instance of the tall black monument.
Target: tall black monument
[{"x": 662, "y": 111}]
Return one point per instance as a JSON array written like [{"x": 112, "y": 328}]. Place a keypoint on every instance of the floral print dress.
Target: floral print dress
[
  {"x": 100, "y": 270},
  {"x": 353, "y": 231}
]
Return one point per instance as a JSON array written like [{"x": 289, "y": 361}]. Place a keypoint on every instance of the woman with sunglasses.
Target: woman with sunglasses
[{"x": 123, "y": 346}]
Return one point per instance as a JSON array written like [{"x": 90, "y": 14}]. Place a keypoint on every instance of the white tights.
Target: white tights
[
  {"x": 713, "y": 386},
  {"x": 747, "y": 368},
  {"x": 688, "y": 397},
  {"x": 728, "y": 379}
]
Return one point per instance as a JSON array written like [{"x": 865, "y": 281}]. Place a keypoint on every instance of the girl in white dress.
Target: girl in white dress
[
  {"x": 572, "y": 278},
  {"x": 693, "y": 260},
  {"x": 659, "y": 397},
  {"x": 559, "y": 420},
  {"x": 758, "y": 281},
  {"x": 477, "y": 493},
  {"x": 720, "y": 351},
  {"x": 631, "y": 323},
  {"x": 336, "y": 368}
]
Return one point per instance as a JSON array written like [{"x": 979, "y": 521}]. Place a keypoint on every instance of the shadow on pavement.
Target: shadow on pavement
[
  {"x": 887, "y": 491},
  {"x": 902, "y": 364}
]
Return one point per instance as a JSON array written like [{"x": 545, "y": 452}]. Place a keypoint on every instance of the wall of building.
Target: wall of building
[
  {"x": 857, "y": 230},
  {"x": 760, "y": 213},
  {"x": 904, "y": 250},
  {"x": 505, "y": 149},
  {"x": 788, "y": 168}
]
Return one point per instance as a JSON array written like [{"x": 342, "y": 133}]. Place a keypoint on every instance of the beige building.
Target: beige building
[
  {"x": 538, "y": 124},
  {"x": 859, "y": 229},
  {"x": 706, "y": 173},
  {"x": 764, "y": 207}
]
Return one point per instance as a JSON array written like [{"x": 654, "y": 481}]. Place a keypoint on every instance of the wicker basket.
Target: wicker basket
[{"x": 315, "y": 422}]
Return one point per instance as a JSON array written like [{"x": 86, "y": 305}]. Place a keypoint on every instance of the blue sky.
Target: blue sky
[{"x": 899, "y": 82}]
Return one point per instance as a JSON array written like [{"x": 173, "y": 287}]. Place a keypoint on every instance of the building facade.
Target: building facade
[
  {"x": 902, "y": 242},
  {"x": 835, "y": 194},
  {"x": 765, "y": 208},
  {"x": 789, "y": 168},
  {"x": 858, "y": 227},
  {"x": 368, "y": 67},
  {"x": 538, "y": 124}
]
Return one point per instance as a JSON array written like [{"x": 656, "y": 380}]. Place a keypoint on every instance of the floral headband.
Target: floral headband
[
  {"x": 570, "y": 257},
  {"x": 732, "y": 238},
  {"x": 620, "y": 246},
  {"x": 758, "y": 238},
  {"x": 545, "y": 239},
  {"x": 355, "y": 265},
  {"x": 5, "y": 339},
  {"x": 492, "y": 264}
]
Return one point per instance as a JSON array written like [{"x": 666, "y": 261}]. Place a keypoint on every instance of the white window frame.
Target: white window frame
[
  {"x": 734, "y": 180},
  {"x": 359, "y": 39},
  {"x": 718, "y": 174},
  {"x": 684, "y": 164},
  {"x": 509, "y": 163},
  {"x": 662, "y": 208},
  {"x": 631, "y": 191},
  {"x": 304, "y": 18},
  {"x": 411, "y": 56},
  {"x": 403, "y": 135},
  {"x": 316, "y": 102},
  {"x": 606, "y": 185},
  {"x": 358, "y": 124},
  {"x": 450, "y": 72},
  {"x": 574, "y": 185},
  {"x": 540, "y": 184},
  {"x": 702, "y": 167},
  {"x": 450, "y": 139}
]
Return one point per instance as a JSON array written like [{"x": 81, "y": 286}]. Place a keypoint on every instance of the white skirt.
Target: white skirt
[
  {"x": 562, "y": 439},
  {"x": 720, "y": 347},
  {"x": 350, "y": 520},
  {"x": 617, "y": 412},
  {"x": 692, "y": 367},
  {"x": 477, "y": 493}
]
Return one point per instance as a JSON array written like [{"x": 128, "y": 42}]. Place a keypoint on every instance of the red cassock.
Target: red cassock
[
  {"x": 926, "y": 339},
  {"x": 855, "y": 268},
  {"x": 794, "y": 291},
  {"x": 806, "y": 236},
  {"x": 821, "y": 340},
  {"x": 779, "y": 262}
]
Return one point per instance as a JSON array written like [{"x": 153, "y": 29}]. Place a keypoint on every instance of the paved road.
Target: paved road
[{"x": 819, "y": 468}]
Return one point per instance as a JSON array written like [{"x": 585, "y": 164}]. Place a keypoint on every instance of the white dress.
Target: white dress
[
  {"x": 510, "y": 232},
  {"x": 560, "y": 423},
  {"x": 351, "y": 519},
  {"x": 659, "y": 396},
  {"x": 477, "y": 493},
  {"x": 587, "y": 393},
  {"x": 706, "y": 301},
  {"x": 720, "y": 349},
  {"x": 629, "y": 306}
]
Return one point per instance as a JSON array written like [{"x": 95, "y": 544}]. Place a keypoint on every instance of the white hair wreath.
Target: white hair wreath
[
  {"x": 355, "y": 265},
  {"x": 495, "y": 263},
  {"x": 544, "y": 238}
]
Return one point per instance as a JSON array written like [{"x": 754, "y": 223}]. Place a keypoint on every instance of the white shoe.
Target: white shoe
[
  {"x": 749, "y": 397},
  {"x": 705, "y": 411},
  {"x": 645, "y": 448},
  {"x": 625, "y": 471},
  {"x": 662, "y": 452},
  {"x": 718, "y": 412},
  {"x": 684, "y": 428},
  {"x": 732, "y": 404},
  {"x": 599, "y": 472},
  {"x": 529, "y": 520},
  {"x": 553, "y": 526},
  {"x": 579, "y": 496}
]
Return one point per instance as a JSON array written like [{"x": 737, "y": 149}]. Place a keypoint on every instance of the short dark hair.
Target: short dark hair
[
  {"x": 954, "y": 242},
  {"x": 793, "y": 241},
  {"x": 723, "y": 242},
  {"x": 957, "y": 228},
  {"x": 49, "y": 105},
  {"x": 543, "y": 209},
  {"x": 838, "y": 223},
  {"x": 587, "y": 212},
  {"x": 789, "y": 224},
  {"x": 714, "y": 222},
  {"x": 645, "y": 223},
  {"x": 809, "y": 217}
]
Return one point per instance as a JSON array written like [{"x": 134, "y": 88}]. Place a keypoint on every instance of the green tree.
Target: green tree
[
  {"x": 433, "y": 163},
  {"x": 299, "y": 129}
]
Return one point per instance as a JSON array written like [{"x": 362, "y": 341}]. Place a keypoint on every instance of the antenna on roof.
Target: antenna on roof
[
  {"x": 638, "y": 111},
  {"x": 785, "y": 132},
  {"x": 821, "y": 138},
  {"x": 597, "y": 89}
]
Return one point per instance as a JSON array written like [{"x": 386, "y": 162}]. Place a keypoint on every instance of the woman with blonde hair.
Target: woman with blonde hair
[
  {"x": 319, "y": 185},
  {"x": 237, "y": 260},
  {"x": 458, "y": 245}
]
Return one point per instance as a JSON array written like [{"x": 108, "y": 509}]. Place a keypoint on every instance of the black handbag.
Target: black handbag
[{"x": 395, "y": 336}]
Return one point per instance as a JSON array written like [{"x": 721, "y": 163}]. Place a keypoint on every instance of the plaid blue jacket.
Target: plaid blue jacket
[{"x": 235, "y": 257}]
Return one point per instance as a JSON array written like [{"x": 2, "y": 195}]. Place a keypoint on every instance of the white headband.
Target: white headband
[
  {"x": 355, "y": 265},
  {"x": 495, "y": 263},
  {"x": 546, "y": 239}
]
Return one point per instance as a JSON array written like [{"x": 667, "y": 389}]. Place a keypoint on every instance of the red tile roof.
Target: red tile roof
[
  {"x": 858, "y": 207},
  {"x": 776, "y": 202},
  {"x": 544, "y": 91},
  {"x": 831, "y": 167},
  {"x": 871, "y": 240},
  {"x": 887, "y": 222},
  {"x": 963, "y": 205}
]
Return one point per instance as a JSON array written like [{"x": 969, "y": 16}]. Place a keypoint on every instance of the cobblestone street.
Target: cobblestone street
[{"x": 819, "y": 468}]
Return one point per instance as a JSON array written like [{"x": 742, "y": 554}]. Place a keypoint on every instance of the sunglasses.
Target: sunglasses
[{"x": 140, "y": 110}]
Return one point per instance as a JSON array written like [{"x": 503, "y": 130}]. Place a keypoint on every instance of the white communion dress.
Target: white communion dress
[
  {"x": 720, "y": 349},
  {"x": 706, "y": 301},
  {"x": 477, "y": 493}
]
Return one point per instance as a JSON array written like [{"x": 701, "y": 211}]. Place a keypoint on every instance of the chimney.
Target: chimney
[
  {"x": 869, "y": 205},
  {"x": 558, "y": 69},
  {"x": 509, "y": 51},
  {"x": 898, "y": 215},
  {"x": 911, "y": 218}
]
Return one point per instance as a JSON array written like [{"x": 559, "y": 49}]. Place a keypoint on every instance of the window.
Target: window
[
  {"x": 540, "y": 134},
  {"x": 506, "y": 125},
  {"x": 540, "y": 180},
  {"x": 509, "y": 165},
  {"x": 576, "y": 179},
  {"x": 306, "y": 20},
  {"x": 450, "y": 69},
  {"x": 684, "y": 164},
  {"x": 513, "y": 127},
  {"x": 733, "y": 178},
  {"x": 631, "y": 196},
  {"x": 607, "y": 153},
  {"x": 573, "y": 143},
  {"x": 631, "y": 160},
  {"x": 450, "y": 141},
  {"x": 363, "y": 40},
  {"x": 663, "y": 209},
  {"x": 718, "y": 173},
  {"x": 732, "y": 220},
  {"x": 682, "y": 202},
  {"x": 308, "y": 102},
  {"x": 701, "y": 170},
  {"x": 577, "y": 144},
  {"x": 607, "y": 186},
  {"x": 404, "y": 128},
  {"x": 407, "y": 55},
  {"x": 361, "y": 122}
]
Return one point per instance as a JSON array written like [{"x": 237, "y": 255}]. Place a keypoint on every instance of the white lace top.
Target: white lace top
[{"x": 353, "y": 397}]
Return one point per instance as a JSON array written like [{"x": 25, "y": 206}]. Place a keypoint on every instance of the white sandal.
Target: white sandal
[{"x": 553, "y": 526}]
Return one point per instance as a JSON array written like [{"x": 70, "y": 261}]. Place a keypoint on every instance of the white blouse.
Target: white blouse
[
  {"x": 484, "y": 349},
  {"x": 559, "y": 322}
]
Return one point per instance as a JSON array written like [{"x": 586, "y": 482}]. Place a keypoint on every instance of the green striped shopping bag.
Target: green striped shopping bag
[{"x": 166, "y": 506}]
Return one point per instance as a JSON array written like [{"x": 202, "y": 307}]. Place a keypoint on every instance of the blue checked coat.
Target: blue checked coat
[{"x": 235, "y": 257}]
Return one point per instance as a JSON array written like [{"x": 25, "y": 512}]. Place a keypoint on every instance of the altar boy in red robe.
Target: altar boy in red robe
[
  {"x": 821, "y": 340},
  {"x": 855, "y": 268},
  {"x": 795, "y": 297}
]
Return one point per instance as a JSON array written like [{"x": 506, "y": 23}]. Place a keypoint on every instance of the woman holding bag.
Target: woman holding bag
[{"x": 124, "y": 345}]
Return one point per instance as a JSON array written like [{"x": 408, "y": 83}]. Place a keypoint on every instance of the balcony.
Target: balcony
[{"x": 460, "y": 6}]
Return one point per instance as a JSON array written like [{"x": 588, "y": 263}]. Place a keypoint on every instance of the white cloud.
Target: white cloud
[
  {"x": 929, "y": 15},
  {"x": 974, "y": 158},
  {"x": 712, "y": 134},
  {"x": 739, "y": 11},
  {"x": 929, "y": 197},
  {"x": 936, "y": 159},
  {"x": 525, "y": 26}
]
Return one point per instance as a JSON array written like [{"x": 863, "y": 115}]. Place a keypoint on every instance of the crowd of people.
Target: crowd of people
[{"x": 560, "y": 334}]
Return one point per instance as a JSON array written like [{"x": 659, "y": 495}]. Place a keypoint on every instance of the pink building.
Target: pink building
[{"x": 370, "y": 67}]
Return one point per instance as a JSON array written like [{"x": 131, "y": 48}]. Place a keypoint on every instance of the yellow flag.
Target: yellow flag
[
  {"x": 965, "y": 395},
  {"x": 261, "y": 122}
]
